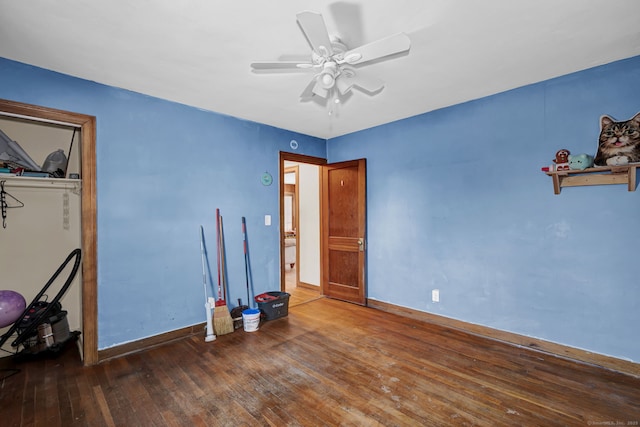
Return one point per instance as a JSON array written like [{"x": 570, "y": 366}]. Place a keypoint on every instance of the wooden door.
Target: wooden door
[{"x": 344, "y": 230}]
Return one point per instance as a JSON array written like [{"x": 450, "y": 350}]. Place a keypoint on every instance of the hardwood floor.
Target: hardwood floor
[
  {"x": 328, "y": 363},
  {"x": 299, "y": 294}
]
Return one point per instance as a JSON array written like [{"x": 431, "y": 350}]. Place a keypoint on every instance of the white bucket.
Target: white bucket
[{"x": 251, "y": 319}]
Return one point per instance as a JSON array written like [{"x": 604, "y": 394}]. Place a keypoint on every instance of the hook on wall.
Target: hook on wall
[{"x": 4, "y": 205}]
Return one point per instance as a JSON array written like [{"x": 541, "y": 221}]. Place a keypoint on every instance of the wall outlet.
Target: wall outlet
[{"x": 435, "y": 295}]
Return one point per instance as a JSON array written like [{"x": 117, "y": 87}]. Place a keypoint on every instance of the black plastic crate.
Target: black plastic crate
[{"x": 273, "y": 304}]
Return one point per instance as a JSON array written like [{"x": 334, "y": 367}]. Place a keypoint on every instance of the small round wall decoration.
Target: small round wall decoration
[
  {"x": 266, "y": 179},
  {"x": 293, "y": 144}
]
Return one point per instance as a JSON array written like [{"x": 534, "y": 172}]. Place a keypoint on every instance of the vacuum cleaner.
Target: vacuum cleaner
[{"x": 43, "y": 327}]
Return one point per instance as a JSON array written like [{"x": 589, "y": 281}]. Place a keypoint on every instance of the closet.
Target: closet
[{"x": 46, "y": 218}]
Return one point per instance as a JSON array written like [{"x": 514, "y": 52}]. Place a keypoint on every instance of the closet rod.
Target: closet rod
[
  {"x": 45, "y": 184},
  {"x": 39, "y": 119}
]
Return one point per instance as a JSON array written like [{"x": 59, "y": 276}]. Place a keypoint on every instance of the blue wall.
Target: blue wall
[
  {"x": 162, "y": 170},
  {"x": 457, "y": 201}
]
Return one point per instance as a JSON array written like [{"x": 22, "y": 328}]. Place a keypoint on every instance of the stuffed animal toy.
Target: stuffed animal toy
[
  {"x": 580, "y": 161},
  {"x": 562, "y": 160}
]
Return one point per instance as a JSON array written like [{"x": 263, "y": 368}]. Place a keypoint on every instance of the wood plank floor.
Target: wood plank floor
[
  {"x": 302, "y": 295},
  {"x": 298, "y": 294},
  {"x": 328, "y": 363}
]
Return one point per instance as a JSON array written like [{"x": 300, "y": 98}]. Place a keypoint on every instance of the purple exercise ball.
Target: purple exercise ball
[{"x": 12, "y": 305}]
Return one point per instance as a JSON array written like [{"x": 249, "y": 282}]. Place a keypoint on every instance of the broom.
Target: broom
[
  {"x": 222, "y": 322},
  {"x": 223, "y": 261}
]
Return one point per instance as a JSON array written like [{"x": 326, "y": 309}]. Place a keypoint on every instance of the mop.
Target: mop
[{"x": 210, "y": 301}]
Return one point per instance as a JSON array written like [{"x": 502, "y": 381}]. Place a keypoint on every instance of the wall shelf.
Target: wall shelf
[
  {"x": 37, "y": 182},
  {"x": 599, "y": 175}
]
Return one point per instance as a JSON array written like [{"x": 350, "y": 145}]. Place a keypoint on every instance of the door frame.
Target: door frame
[
  {"x": 298, "y": 158},
  {"x": 296, "y": 216},
  {"x": 87, "y": 125}
]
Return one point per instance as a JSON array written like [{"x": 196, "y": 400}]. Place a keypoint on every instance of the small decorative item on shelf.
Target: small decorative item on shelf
[
  {"x": 619, "y": 142},
  {"x": 580, "y": 161},
  {"x": 616, "y": 161},
  {"x": 562, "y": 159}
]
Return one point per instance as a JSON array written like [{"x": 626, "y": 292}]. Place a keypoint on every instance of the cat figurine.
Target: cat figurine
[{"x": 619, "y": 142}]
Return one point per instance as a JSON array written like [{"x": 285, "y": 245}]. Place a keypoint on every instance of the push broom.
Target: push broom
[
  {"x": 209, "y": 301},
  {"x": 222, "y": 322}
]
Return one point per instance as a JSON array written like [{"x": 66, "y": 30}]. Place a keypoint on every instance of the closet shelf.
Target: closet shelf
[
  {"x": 599, "y": 175},
  {"x": 36, "y": 182}
]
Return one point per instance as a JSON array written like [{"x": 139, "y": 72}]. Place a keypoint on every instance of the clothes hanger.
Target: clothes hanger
[{"x": 4, "y": 205}]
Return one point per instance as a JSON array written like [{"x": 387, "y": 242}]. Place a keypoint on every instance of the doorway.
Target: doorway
[
  {"x": 323, "y": 229},
  {"x": 300, "y": 227},
  {"x": 291, "y": 226}
]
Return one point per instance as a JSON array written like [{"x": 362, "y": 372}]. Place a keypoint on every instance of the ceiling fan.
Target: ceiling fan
[{"x": 335, "y": 65}]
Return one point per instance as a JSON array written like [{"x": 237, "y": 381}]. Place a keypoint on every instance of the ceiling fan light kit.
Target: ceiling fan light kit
[{"x": 332, "y": 62}]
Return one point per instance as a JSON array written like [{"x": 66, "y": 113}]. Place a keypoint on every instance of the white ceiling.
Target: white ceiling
[{"x": 197, "y": 52}]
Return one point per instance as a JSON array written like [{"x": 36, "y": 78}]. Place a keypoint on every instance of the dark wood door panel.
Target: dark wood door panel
[{"x": 343, "y": 230}]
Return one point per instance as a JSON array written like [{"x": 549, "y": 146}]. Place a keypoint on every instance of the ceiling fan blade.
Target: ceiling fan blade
[
  {"x": 366, "y": 81},
  {"x": 280, "y": 65},
  {"x": 384, "y": 47},
  {"x": 344, "y": 82},
  {"x": 307, "y": 93},
  {"x": 315, "y": 30},
  {"x": 347, "y": 18}
]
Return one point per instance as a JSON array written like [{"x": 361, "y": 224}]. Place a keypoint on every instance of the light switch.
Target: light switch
[{"x": 267, "y": 220}]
